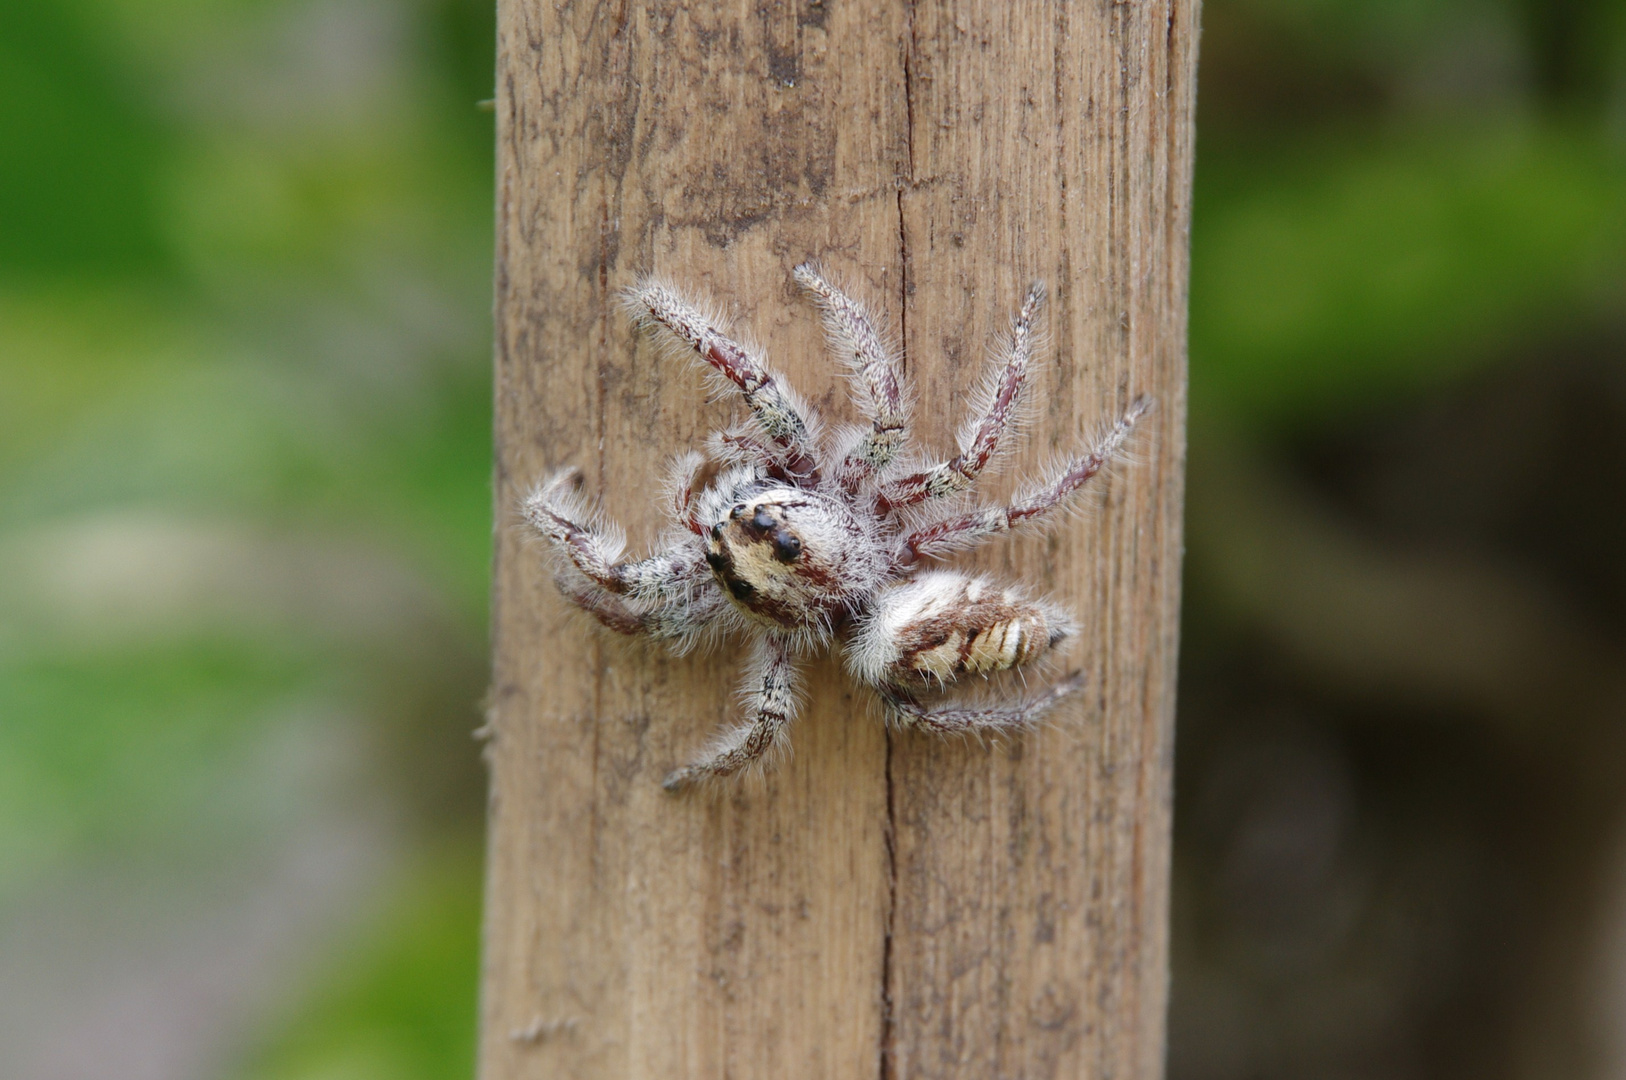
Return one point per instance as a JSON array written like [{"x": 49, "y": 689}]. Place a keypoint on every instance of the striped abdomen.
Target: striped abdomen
[{"x": 945, "y": 625}]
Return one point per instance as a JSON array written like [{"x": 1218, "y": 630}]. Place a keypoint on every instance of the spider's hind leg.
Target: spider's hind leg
[{"x": 987, "y": 719}]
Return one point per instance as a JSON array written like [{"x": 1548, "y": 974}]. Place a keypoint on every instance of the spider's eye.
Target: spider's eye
[
  {"x": 738, "y": 511},
  {"x": 762, "y": 521},
  {"x": 786, "y": 546}
]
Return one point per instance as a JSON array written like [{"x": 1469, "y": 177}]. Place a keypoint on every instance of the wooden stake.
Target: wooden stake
[{"x": 882, "y": 905}]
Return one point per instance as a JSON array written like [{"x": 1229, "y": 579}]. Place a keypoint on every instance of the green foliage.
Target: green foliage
[
  {"x": 78, "y": 190},
  {"x": 244, "y": 467},
  {"x": 1335, "y": 272},
  {"x": 400, "y": 1005},
  {"x": 109, "y": 750}
]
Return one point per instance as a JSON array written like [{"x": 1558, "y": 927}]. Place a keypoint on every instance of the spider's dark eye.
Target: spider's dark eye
[
  {"x": 762, "y": 521},
  {"x": 738, "y": 511},
  {"x": 786, "y": 546}
]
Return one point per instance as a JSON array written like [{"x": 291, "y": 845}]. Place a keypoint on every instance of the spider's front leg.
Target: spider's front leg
[
  {"x": 981, "y": 441},
  {"x": 770, "y": 694},
  {"x": 945, "y": 626},
  {"x": 965, "y": 530},
  {"x": 679, "y": 622},
  {"x": 785, "y": 420},
  {"x": 593, "y": 546},
  {"x": 876, "y": 384}
]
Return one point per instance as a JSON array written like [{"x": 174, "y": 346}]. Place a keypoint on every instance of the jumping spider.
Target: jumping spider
[{"x": 797, "y": 539}]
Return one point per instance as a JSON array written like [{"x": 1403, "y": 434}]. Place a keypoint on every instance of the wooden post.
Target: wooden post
[{"x": 883, "y": 905}]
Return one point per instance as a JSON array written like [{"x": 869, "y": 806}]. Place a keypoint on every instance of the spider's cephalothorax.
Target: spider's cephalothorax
[
  {"x": 798, "y": 539},
  {"x": 794, "y": 559}
]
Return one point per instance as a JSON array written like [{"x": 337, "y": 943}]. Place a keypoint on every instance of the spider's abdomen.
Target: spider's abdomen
[{"x": 945, "y": 625}]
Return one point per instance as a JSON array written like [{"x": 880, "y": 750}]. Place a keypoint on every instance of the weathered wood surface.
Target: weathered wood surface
[{"x": 883, "y": 904}]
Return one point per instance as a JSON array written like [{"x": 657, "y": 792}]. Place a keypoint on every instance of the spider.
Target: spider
[{"x": 798, "y": 538}]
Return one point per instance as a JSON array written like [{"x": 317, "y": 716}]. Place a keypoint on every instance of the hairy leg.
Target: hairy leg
[
  {"x": 770, "y": 692},
  {"x": 965, "y": 530},
  {"x": 556, "y": 511},
  {"x": 876, "y": 384},
  {"x": 981, "y": 441},
  {"x": 682, "y": 485},
  {"x": 961, "y": 720},
  {"x": 784, "y": 419},
  {"x": 679, "y": 622}
]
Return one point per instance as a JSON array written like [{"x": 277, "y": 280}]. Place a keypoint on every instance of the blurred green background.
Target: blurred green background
[
  {"x": 245, "y": 264},
  {"x": 245, "y": 522}
]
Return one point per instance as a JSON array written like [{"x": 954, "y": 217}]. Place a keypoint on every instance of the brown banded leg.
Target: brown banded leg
[
  {"x": 961, "y": 471},
  {"x": 770, "y": 691},
  {"x": 784, "y": 419},
  {"x": 679, "y": 621},
  {"x": 958, "y": 533},
  {"x": 607, "y": 608}
]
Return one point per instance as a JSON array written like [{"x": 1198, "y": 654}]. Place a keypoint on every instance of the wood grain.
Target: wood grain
[{"x": 881, "y": 905}]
